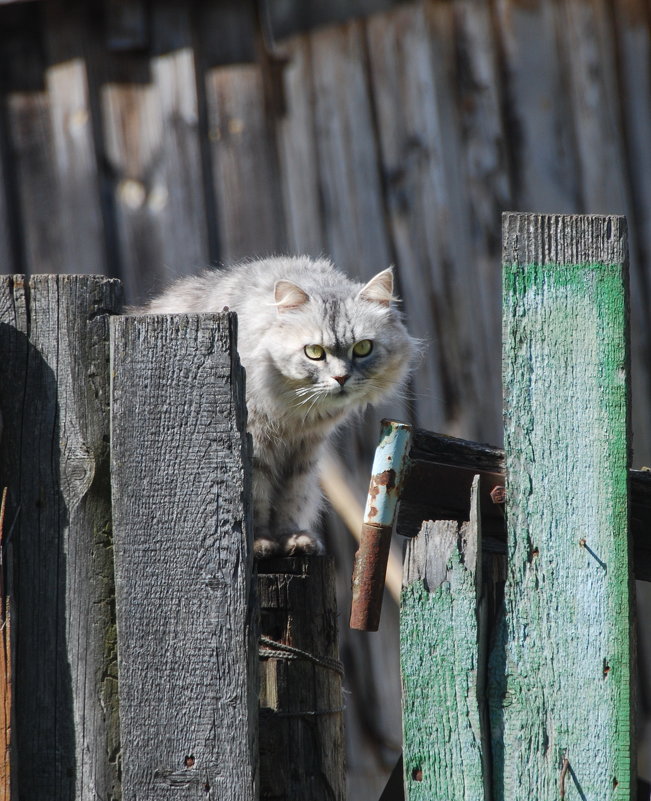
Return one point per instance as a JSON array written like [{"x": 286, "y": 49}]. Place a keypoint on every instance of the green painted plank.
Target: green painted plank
[
  {"x": 567, "y": 659},
  {"x": 440, "y": 661}
]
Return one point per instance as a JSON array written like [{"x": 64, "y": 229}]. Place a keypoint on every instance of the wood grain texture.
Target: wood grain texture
[
  {"x": 54, "y": 397},
  {"x": 182, "y": 518},
  {"x": 444, "y": 749},
  {"x": 151, "y": 143},
  {"x": 243, "y": 149},
  {"x": 567, "y": 663},
  {"x": 301, "y": 705}
]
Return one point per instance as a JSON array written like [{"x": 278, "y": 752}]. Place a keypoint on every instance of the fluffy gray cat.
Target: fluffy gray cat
[{"x": 316, "y": 348}]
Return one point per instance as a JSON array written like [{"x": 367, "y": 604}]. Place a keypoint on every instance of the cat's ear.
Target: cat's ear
[
  {"x": 288, "y": 295},
  {"x": 379, "y": 289}
]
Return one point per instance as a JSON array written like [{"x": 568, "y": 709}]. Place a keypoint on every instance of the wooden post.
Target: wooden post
[
  {"x": 187, "y": 639},
  {"x": 54, "y": 459},
  {"x": 441, "y": 654},
  {"x": 301, "y": 708},
  {"x": 566, "y": 707}
]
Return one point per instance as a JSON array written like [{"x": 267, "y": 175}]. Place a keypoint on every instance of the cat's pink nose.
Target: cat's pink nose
[{"x": 341, "y": 378}]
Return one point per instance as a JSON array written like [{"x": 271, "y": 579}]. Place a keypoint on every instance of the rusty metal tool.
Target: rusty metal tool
[{"x": 390, "y": 467}]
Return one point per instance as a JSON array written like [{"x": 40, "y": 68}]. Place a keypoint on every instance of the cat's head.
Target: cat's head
[{"x": 337, "y": 348}]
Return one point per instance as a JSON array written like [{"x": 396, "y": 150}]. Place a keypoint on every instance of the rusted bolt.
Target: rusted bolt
[
  {"x": 498, "y": 494},
  {"x": 188, "y": 761}
]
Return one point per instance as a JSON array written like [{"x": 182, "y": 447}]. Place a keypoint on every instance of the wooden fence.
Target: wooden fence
[
  {"x": 169, "y": 507},
  {"x": 148, "y": 685},
  {"x": 144, "y": 140},
  {"x": 518, "y": 673}
]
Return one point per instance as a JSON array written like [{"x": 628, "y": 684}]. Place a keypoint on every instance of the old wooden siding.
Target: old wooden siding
[{"x": 143, "y": 141}]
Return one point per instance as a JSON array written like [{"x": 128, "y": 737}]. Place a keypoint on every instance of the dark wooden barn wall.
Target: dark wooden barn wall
[{"x": 147, "y": 141}]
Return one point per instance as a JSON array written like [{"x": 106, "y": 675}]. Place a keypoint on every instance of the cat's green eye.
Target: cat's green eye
[
  {"x": 363, "y": 347},
  {"x": 315, "y": 352}
]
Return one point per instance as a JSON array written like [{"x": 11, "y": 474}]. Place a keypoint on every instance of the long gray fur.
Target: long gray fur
[{"x": 294, "y": 402}]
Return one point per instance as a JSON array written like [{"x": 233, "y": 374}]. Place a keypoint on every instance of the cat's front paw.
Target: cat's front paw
[
  {"x": 265, "y": 548},
  {"x": 302, "y": 542}
]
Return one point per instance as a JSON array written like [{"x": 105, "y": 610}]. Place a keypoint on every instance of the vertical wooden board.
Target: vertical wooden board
[
  {"x": 77, "y": 207},
  {"x": 54, "y": 459},
  {"x": 8, "y": 229},
  {"x": 538, "y": 107},
  {"x": 475, "y": 418},
  {"x": 484, "y": 152},
  {"x": 297, "y": 148},
  {"x": 410, "y": 150},
  {"x": 301, "y": 705},
  {"x": 30, "y": 133},
  {"x": 485, "y": 174},
  {"x": 588, "y": 42},
  {"x": 633, "y": 21},
  {"x": 178, "y": 197},
  {"x": 441, "y": 660},
  {"x": 411, "y": 63},
  {"x": 245, "y": 164},
  {"x": 182, "y": 518},
  {"x": 151, "y": 139},
  {"x": 568, "y": 616},
  {"x": 349, "y": 179},
  {"x": 51, "y": 142}
]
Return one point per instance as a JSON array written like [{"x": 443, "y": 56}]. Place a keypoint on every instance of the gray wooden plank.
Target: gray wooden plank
[
  {"x": 633, "y": 48},
  {"x": 75, "y": 210},
  {"x": 182, "y": 520},
  {"x": 53, "y": 167},
  {"x": 297, "y": 148},
  {"x": 349, "y": 179},
  {"x": 54, "y": 397},
  {"x": 538, "y": 108},
  {"x": 301, "y": 704},
  {"x": 245, "y": 164},
  {"x": 411, "y": 57},
  {"x": 151, "y": 140}
]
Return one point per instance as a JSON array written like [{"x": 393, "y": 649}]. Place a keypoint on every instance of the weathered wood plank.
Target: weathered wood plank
[
  {"x": 567, "y": 662},
  {"x": 182, "y": 519},
  {"x": 537, "y": 104},
  {"x": 75, "y": 212},
  {"x": 349, "y": 180},
  {"x": 251, "y": 222},
  {"x": 441, "y": 655},
  {"x": 54, "y": 396},
  {"x": 297, "y": 152},
  {"x": 411, "y": 57},
  {"x": 632, "y": 24},
  {"x": 301, "y": 705},
  {"x": 151, "y": 141}
]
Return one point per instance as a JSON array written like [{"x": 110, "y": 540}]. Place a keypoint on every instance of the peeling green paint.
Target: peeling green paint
[
  {"x": 441, "y": 664},
  {"x": 567, "y": 652}
]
